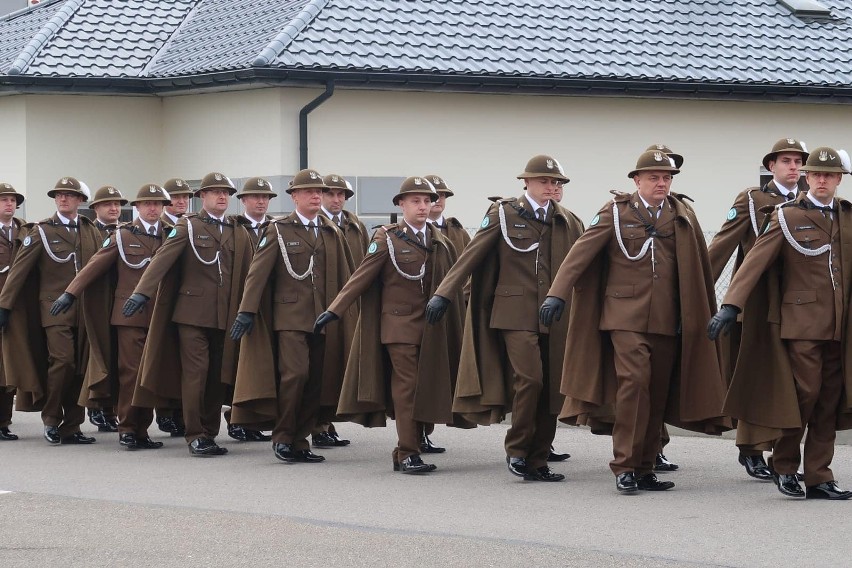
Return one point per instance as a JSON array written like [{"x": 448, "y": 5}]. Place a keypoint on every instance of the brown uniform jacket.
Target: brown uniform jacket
[
  {"x": 356, "y": 235},
  {"x": 255, "y": 237},
  {"x": 33, "y": 283},
  {"x": 506, "y": 289},
  {"x": 191, "y": 291},
  {"x": 296, "y": 304},
  {"x": 611, "y": 292},
  {"x": 9, "y": 246},
  {"x": 396, "y": 304}
]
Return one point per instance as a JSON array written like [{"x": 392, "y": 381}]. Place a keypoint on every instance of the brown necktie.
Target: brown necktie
[
  {"x": 539, "y": 214},
  {"x": 152, "y": 231},
  {"x": 338, "y": 220},
  {"x": 654, "y": 210},
  {"x": 422, "y": 238}
]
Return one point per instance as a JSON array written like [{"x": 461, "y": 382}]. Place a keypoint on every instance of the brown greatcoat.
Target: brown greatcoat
[
  {"x": 99, "y": 383},
  {"x": 779, "y": 286},
  {"x": 356, "y": 235},
  {"x": 33, "y": 283},
  {"x": 391, "y": 313},
  {"x": 456, "y": 233},
  {"x": 185, "y": 291},
  {"x": 8, "y": 250},
  {"x": 295, "y": 306},
  {"x": 588, "y": 378},
  {"x": 745, "y": 220},
  {"x": 483, "y": 389}
]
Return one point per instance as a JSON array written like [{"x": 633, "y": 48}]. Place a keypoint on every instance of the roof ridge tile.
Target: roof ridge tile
[
  {"x": 47, "y": 31},
  {"x": 280, "y": 42}
]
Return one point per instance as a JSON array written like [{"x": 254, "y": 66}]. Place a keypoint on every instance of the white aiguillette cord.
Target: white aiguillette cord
[
  {"x": 503, "y": 230},
  {"x": 649, "y": 242},
  {"x": 198, "y": 256},
  {"x": 405, "y": 275},
  {"x": 50, "y": 253},
  {"x": 288, "y": 265},
  {"x": 753, "y": 215},
  {"x": 120, "y": 246},
  {"x": 802, "y": 250}
]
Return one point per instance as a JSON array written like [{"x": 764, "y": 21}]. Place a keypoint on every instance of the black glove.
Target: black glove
[
  {"x": 62, "y": 304},
  {"x": 4, "y": 318},
  {"x": 324, "y": 319},
  {"x": 436, "y": 308},
  {"x": 134, "y": 304},
  {"x": 242, "y": 325},
  {"x": 551, "y": 309},
  {"x": 721, "y": 321}
]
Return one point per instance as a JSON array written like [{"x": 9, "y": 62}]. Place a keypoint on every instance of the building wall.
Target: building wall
[{"x": 479, "y": 143}]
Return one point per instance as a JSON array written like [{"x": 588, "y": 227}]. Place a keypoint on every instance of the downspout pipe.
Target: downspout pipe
[{"x": 303, "y": 122}]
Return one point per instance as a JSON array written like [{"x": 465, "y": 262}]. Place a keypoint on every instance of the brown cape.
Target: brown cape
[
  {"x": 483, "y": 389},
  {"x": 763, "y": 371},
  {"x": 159, "y": 379},
  {"x": 366, "y": 395},
  {"x": 25, "y": 355},
  {"x": 697, "y": 387},
  {"x": 255, "y": 403}
]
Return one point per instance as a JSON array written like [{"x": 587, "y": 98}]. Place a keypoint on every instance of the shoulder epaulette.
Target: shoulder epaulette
[
  {"x": 681, "y": 196},
  {"x": 619, "y": 195}
]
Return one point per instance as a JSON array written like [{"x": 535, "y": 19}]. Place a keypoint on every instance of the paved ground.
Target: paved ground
[{"x": 102, "y": 506}]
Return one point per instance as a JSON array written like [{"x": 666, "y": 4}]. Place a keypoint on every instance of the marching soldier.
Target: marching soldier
[
  {"x": 303, "y": 262},
  {"x": 797, "y": 278},
  {"x": 255, "y": 197},
  {"x": 10, "y": 228},
  {"x": 745, "y": 219},
  {"x": 335, "y": 195},
  {"x": 197, "y": 277},
  {"x": 124, "y": 257},
  {"x": 106, "y": 204},
  {"x": 52, "y": 253},
  {"x": 640, "y": 273},
  {"x": 393, "y": 347},
  {"x": 511, "y": 260}
]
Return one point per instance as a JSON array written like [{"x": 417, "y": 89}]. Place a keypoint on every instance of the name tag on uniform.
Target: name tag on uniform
[
  {"x": 632, "y": 226},
  {"x": 405, "y": 251},
  {"x": 293, "y": 243},
  {"x": 805, "y": 227},
  {"x": 56, "y": 242},
  {"x": 519, "y": 226},
  {"x": 204, "y": 237},
  {"x": 134, "y": 246}
]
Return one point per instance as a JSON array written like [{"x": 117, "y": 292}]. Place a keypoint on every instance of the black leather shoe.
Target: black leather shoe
[
  {"x": 77, "y": 438},
  {"x": 756, "y": 467},
  {"x": 788, "y": 485},
  {"x": 800, "y": 476},
  {"x": 96, "y": 417},
  {"x": 256, "y": 436},
  {"x": 51, "y": 434},
  {"x": 626, "y": 482},
  {"x": 542, "y": 474},
  {"x": 322, "y": 440},
  {"x": 128, "y": 441},
  {"x": 427, "y": 447},
  {"x": 827, "y": 490},
  {"x": 307, "y": 456},
  {"x": 238, "y": 433},
  {"x": 554, "y": 457},
  {"x": 172, "y": 426},
  {"x": 110, "y": 424},
  {"x": 414, "y": 464},
  {"x": 5, "y": 434},
  {"x": 649, "y": 482},
  {"x": 205, "y": 447},
  {"x": 148, "y": 444},
  {"x": 338, "y": 441},
  {"x": 284, "y": 452},
  {"x": 661, "y": 463},
  {"x": 517, "y": 466}
]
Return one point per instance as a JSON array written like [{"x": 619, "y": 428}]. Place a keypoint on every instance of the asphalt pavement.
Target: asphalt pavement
[{"x": 100, "y": 505}]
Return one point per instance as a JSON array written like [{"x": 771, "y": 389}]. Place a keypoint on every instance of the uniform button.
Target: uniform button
[
  {"x": 835, "y": 269},
  {"x": 656, "y": 276},
  {"x": 395, "y": 312},
  {"x": 798, "y": 300},
  {"x": 617, "y": 294},
  {"x": 540, "y": 282}
]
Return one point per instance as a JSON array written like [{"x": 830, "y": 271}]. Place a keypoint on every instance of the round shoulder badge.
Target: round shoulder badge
[
  {"x": 27, "y": 241},
  {"x": 173, "y": 233},
  {"x": 485, "y": 222},
  {"x": 106, "y": 243},
  {"x": 595, "y": 221},
  {"x": 373, "y": 247},
  {"x": 732, "y": 214}
]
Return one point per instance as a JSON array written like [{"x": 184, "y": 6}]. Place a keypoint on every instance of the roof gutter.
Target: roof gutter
[{"x": 303, "y": 122}]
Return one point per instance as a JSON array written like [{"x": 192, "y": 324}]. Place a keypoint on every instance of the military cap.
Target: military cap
[
  {"x": 215, "y": 180},
  {"x": 654, "y": 160},
  {"x": 825, "y": 159},
  {"x": 413, "y": 185},
  {"x": 7, "y": 189},
  {"x": 107, "y": 193},
  {"x": 152, "y": 192},
  {"x": 544, "y": 166},
  {"x": 177, "y": 186},
  {"x": 72, "y": 185},
  {"x": 257, "y": 186},
  {"x": 678, "y": 159},
  {"x": 334, "y": 181},
  {"x": 306, "y": 179},
  {"x": 786, "y": 145},
  {"x": 440, "y": 185}
]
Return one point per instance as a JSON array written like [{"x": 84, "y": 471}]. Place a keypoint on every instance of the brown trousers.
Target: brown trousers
[
  {"x": 533, "y": 426},
  {"x": 6, "y": 400},
  {"x": 819, "y": 384},
  {"x": 300, "y": 362},
  {"x": 131, "y": 419},
  {"x": 63, "y": 381},
  {"x": 201, "y": 386},
  {"x": 404, "y": 358},
  {"x": 643, "y": 367}
]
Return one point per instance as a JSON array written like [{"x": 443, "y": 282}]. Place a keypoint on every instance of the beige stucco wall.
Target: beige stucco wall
[{"x": 477, "y": 142}]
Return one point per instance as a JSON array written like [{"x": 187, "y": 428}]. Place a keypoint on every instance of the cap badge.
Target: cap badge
[
  {"x": 658, "y": 156},
  {"x": 334, "y": 179},
  {"x": 218, "y": 177},
  {"x": 314, "y": 175},
  {"x": 660, "y": 147},
  {"x": 549, "y": 164},
  {"x": 178, "y": 183},
  {"x": 260, "y": 183},
  {"x": 152, "y": 189},
  {"x": 7, "y": 186},
  {"x": 791, "y": 141},
  {"x": 823, "y": 156},
  {"x": 418, "y": 181},
  {"x": 436, "y": 180},
  {"x": 63, "y": 181},
  {"x": 111, "y": 190}
]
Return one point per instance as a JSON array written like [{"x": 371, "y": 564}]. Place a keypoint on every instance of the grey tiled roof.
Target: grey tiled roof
[{"x": 742, "y": 42}]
